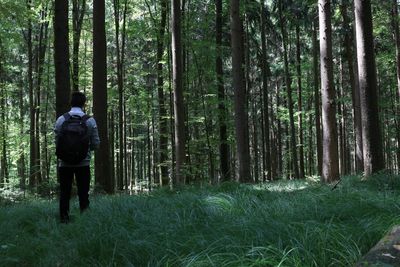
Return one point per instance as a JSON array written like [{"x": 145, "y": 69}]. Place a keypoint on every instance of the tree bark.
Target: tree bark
[
  {"x": 21, "y": 159},
  {"x": 371, "y": 132},
  {"x": 355, "y": 92},
  {"x": 102, "y": 156},
  {"x": 162, "y": 112},
  {"x": 32, "y": 139},
  {"x": 279, "y": 131},
  {"x": 395, "y": 25},
  {"x": 4, "y": 175},
  {"x": 39, "y": 63},
  {"x": 78, "y": 12},
  {"x": 179, "y": 112},
  {"x": 265, "y": 95},
  {"x": 222, "y": 112},
  {"x": 120, "y": 47},
  {"x": 61, "y": 56},
  {"x": 317, "y": 95},
  {"x": 330, "y": 166},
  {"x": 240, "y": 99},
  {"x": 299, "y": 99}
]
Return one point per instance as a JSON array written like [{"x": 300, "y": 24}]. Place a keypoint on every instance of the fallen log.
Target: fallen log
[{"x": 385, "y": 253}]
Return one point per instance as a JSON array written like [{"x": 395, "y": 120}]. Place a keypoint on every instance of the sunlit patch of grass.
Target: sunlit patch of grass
[{"x": 284, "y": 223}]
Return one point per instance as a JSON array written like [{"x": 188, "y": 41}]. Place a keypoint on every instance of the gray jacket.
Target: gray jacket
[{"x": 94, "y": 142}]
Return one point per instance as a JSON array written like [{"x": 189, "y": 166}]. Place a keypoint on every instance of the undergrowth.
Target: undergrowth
[{"x": 286, "y": 223}]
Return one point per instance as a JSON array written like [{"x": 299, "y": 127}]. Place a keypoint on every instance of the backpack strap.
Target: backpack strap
[
  {"x": 85, "y": 118},
  {"x": 66, "y": 116}
]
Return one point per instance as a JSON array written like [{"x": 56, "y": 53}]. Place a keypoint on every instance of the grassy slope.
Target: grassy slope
[{"x": 286, "y": 224}]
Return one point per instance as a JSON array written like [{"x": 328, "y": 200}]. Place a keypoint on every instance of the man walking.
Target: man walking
[{"x": 76, "y": 136}]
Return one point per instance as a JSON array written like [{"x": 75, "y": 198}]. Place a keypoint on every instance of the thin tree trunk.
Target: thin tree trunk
[
  {"x": 112, "y": 145},
  {"x": 265, "y": 97},
  {"x": 207, "y": 124},
  {"x": 120, "y": 81},
  {"x": 310, "y": 141},
  {"x": 279, "y": 134},
  {"x": 40, "y": 58},
  {"x": 222, "y": 112},
  {"x": 32, "y": 139},
  {"x": 396, "y": 35},
  {"x": 133, "y": 147},
  {"x": 289, "y": 94},
  {"x": 171, "y": 109},
  {"x": 126, "y": 149},
  {"x": 255, "y": 142},
  {"x": 318, "y": 133},
  {"x": 21, "y": 159},
  {"x": 78, "y": 12},
  {"x": 273, "y": 139},
  {"x": 162, "y": 112},
  {"x": 299, "y": 99},
  {"x": 340, "y": 114},
  {"x": 395, "y": 25},
  {"x": 3, "y": 162},
  {"x": 355, "y": 92}
]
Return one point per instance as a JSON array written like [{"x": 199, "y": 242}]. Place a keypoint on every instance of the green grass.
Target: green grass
[{"x": 288, "y": 223}]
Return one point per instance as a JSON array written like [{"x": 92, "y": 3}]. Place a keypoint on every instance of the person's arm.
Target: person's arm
[
  {"x": 57, "y": 126},
  {"x": 94, "y": 136}
]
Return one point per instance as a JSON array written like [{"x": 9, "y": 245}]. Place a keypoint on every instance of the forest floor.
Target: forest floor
[{"x": 284, "y": 223}]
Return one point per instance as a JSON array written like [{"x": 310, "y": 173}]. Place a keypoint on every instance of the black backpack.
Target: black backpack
[{"x": 72, "y": 144}]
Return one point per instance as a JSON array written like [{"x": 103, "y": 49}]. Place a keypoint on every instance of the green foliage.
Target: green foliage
[{"x": 295, "y": 223}]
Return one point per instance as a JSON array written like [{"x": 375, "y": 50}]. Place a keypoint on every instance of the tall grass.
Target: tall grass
[{"x": 292, "y": 223}]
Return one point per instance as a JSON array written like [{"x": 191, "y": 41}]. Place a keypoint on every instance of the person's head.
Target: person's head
[{"x": 78, "y": 99}]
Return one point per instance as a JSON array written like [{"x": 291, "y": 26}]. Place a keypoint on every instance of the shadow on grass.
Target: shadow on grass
[{"x": 286, "y": 223}]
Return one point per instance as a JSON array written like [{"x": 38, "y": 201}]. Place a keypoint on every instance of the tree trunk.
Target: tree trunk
[
  {"x": 240, "y": 99},
  {"x": 318, "y": 133},
  {"x": 207, "y": 125},
  {"x": 162, "y": 116},
  {"x": 279, "y": 131},
  {"x": 395, "y": 25},
  {"x": 289, "y": 94},
  {"x": 355, "y": 92},
  {"x": 61, "y": 56},
  {"x": 32, "y": 139},
  {"x": 112, "y": 134},
  {"x": 78, "y": 12},
  {"x": 102, "y": 156},
  {"x": 310, "y": 141},
  {"x": 222, "y": 112},
  {"x": 120, "y": 81},
  {"x": 299, "y": 99},
  {"x": 40, "y": 58},
  {"x": 21, "y": 159},
  {"x": 265, "y": 97},
  {"x": 274, "y": 141},
  {"x": 255, "y": 141},
  {"x": 330, "y": 166},
  {"x": 179, "y": 112},
  {"x": 371, "y": 132},
  {"x": 3, "y": 136}
]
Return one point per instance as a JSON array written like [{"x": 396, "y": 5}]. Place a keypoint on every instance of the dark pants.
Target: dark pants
[{"x": 82, "y": 176}]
